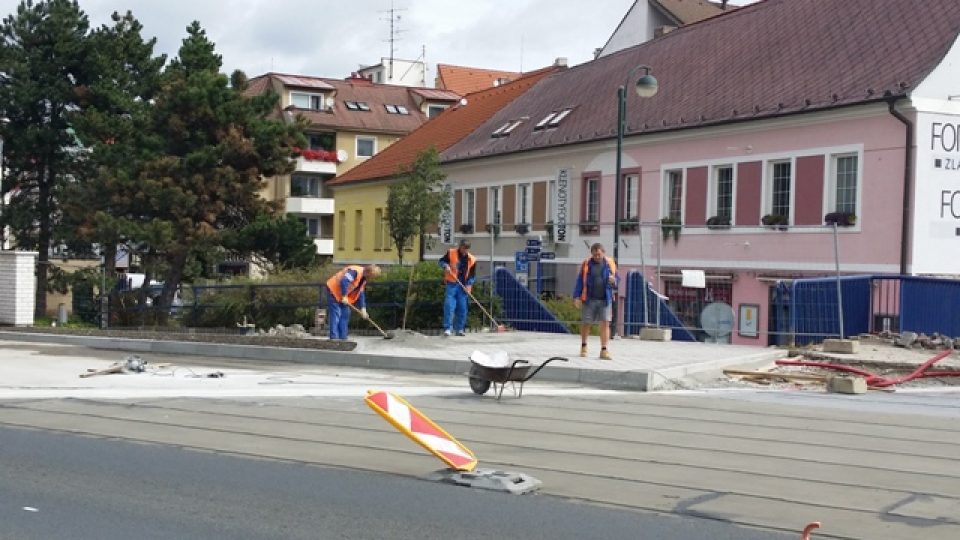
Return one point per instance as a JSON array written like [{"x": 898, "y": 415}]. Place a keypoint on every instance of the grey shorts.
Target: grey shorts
[{"x": 594, "y": 311}]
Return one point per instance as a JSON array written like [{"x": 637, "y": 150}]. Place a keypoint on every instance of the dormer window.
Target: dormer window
[{"x": 302, "y": 100}]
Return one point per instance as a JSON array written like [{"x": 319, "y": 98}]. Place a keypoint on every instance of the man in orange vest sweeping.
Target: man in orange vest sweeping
[
  {"x": 345, "y": 289},
  {"x": 596, "y": 284},
  {"x": 459, "y": 273}
]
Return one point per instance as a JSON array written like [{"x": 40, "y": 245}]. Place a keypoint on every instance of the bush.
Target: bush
[{"x": 568, "y": 313}]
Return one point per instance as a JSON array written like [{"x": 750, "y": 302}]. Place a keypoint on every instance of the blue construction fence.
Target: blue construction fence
[{"x": 807, "y": 310}]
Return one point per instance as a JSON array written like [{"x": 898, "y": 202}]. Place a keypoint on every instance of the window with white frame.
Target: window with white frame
[
  {"x": 303, "y": 100},
  {"x": 305, "y": 186},
  {"x": 781, "y": 183},
  {"x": 673, "y": 195},
  {"x": 366, "y": 146},
  {"x": 312, "y": 225},
  {"x": 524, "y": 204},
  {"x": 631, "y": 195},
  {"x": 844, "y": 184},
  {"x": 722, "y": 192},
  {"x": 496, "y": 206},
  {"x": 469, "y": 207},
  {"x": 592, "y": 200}
]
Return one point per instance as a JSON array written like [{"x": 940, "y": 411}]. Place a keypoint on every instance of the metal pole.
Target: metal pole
[
  {"x": 659, "y": 279},
  {"x": 643, "y": 272},
  {"x": 621, "y": 112},
  {"x": 836, "y": 260}
]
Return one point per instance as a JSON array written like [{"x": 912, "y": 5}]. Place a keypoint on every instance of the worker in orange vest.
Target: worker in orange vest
[
  {"x": 345, "y": 289},
  {"x": 459, "y": 265},
  {"x": 597, "y": 282}
]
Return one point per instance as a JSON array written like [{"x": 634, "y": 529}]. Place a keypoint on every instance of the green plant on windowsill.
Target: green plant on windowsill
[
  {"x": 842, "y": 219},
  {"x": 671, "y": 226},
  {"x": 493, "y": 229},
  {"x": 718, "y": 222},
  {"x": 521, "y": 228},
  {"x": 466, "y": 228},
  {"x": 630, "y": 224},
  {"x": 775, "y": 221},
  {"x": 589, "y": 227}
]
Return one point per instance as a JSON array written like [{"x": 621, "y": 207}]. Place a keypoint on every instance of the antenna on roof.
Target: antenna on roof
[
  {"x": 521, "y": 53},
  {"x": 394, "y": 30}
]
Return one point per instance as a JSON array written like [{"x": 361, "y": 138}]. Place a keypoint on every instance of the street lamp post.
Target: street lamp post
[{"x": 646, "y": 86}]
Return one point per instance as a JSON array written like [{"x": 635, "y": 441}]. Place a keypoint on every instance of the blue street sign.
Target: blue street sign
[
  {"x": 533, "y": 257},
  {"x": 534, "y": 242},
  {"x": 547, "y": 255},
  {"x": 520, "y": 262},
  {"x": 533, "y": 250}
]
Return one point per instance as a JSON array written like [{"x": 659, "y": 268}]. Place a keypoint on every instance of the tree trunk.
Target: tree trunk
[
  {"x": 170, "y": 285},
  {"x": 43, "y": 244},
  {"x": 406, "y": 303}
]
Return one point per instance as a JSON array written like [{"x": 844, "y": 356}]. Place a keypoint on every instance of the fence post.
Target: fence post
[
  {"x": 643, "y": 275},
  {"x": 836, "y": 260},
  {"x": 659, "y": 278},
  {"x": 253, "y": 303}
]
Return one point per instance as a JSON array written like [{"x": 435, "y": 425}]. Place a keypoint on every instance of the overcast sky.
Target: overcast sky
[{"x": 331, "y": 39}]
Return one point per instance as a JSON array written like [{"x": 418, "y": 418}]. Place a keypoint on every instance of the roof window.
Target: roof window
[
  {"x": 396, "y": 109},
  {"x": 507, "y": 128},
  {"x": 357, "y": 105},
  {"x": 559, "y": 118},
  {"x": 543, "y": 123}
]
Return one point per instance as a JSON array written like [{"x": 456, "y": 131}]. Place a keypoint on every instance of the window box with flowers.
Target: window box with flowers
[
  {"x": 718, "y": 222},
  {"x": 775, "y": 221},
  {"x": 841, "y": 219},
  {"x": 493, "y": 229},
  {"x": 317, "y": 155},
  {"x": 521, "y": 228},
  {"x": 671, "y": 226},
  {"x": 466, "y": 228},
  {"x": 630, "y": 224},
  {"x": 589, "y": 227}
]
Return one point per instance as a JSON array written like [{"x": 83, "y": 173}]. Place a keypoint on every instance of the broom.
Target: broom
[{"x": 500, "y": 327}]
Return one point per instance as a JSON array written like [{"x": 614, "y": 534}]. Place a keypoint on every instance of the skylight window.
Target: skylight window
[
  {"x": 352, "y": 105},
  {"x": 505, "y": 129},
  {"x": 543, "y": 123},
  {"x": 559, "y": 118},
  {"x": 392, "y": 109},
  {"x": 363, "y": 106},
  {"x": 512, "y": 127},
  {"x": 499, "y": 131},
  {"x": 402, "y": 110}
]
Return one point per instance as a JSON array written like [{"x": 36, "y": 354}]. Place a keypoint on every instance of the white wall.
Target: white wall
[{"x": 17, "y": 287}]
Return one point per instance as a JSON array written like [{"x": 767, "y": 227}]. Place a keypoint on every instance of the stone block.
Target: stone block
[
  {"x": 842, "y": 346},
  {"x": 656, "y": 334},
  {"x": 847, "y": 385}
]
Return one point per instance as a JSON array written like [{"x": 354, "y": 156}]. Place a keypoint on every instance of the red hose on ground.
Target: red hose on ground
[{"x": 878, "y": 381}]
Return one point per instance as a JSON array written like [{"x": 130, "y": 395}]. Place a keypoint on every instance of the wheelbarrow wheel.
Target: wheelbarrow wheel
[{"x": 478, "y": 385}]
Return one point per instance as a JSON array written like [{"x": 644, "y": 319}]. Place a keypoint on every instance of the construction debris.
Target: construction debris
[
  {"x": 130, "y": 364},
  {"x": 847, "y": 385}
]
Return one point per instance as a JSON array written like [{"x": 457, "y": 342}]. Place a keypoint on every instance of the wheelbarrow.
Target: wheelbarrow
[{"x": 497, "y": 369}]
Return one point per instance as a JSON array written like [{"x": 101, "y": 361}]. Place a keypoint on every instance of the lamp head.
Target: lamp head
[{"x": 647, "y": 86}]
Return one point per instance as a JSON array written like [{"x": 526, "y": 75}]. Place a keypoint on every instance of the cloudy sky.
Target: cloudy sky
[{"x": 332, "y": 38}]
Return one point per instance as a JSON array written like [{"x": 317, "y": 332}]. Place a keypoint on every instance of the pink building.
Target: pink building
[{"x": 771, "y": 122}]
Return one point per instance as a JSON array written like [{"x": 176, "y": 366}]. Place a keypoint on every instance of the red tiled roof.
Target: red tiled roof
[
  {"x": 303, "y": 82},
  {"x": 769, "y": 59},
  {"x": 436, "y": 95},
  {"x": 443, "y": 131},
  {"x": 465, "y": 80}
]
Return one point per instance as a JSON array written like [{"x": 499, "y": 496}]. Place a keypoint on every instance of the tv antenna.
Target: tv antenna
[{"x": 394, "y": 18}]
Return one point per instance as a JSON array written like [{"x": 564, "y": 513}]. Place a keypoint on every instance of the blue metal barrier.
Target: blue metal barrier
[
  {"x": 633, "y": 311},
  {"x": 930, "y": 305},
  {"x": 813, "y": 308},
  {"x": 522, "y": 310}
]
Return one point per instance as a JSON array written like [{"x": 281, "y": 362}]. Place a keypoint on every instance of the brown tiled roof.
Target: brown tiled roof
[
  {"x": 443, "y": 131},
  {"x": 303, "y": 82},
  {"x": 466, "y": 80},
  {"x": 687, "y": 11},
  {"x": 773, "y": 58},
  {"x": 437, "y": 95}
]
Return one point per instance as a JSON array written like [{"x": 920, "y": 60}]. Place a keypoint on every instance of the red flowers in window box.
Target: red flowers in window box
[{"x": 317, "y": 155}]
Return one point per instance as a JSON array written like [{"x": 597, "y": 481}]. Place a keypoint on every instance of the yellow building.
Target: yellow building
[{"x": 350, "y": 121}]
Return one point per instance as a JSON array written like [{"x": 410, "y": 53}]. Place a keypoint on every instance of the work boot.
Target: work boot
[
  {"x": 605, "y": 355},
  {"x": 583, "y": 351}
]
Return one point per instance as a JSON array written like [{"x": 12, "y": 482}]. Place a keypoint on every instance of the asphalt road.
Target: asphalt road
[
  {"x": 58, "y": 485},
  {"x": 878, "y": 466}
]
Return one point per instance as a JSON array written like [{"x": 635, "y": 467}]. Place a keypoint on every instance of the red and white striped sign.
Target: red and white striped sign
[{"x": 412, "y": 423}]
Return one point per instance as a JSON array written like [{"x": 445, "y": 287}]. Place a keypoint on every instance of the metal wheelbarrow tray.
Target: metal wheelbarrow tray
[{"x": 485, "y": 371}]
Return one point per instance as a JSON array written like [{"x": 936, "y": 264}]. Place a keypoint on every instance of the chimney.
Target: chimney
[
  {"x": 661, "y": 30},
  {"x": 561, "y": 61}
]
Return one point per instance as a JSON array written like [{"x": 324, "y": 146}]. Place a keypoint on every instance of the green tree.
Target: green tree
[
  {"x": 43, "y": 70},
  {"x": 113, "y": 124},
  {"x": 216, "y": 147},
  {"x": 416, "y": 202},
  {"x": 274, "y": 243}
]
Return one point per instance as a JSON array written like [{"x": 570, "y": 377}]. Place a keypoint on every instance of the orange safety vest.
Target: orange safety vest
[
  {"x": 453, "y": 255},
  {"x": 355, "y": 288},
  {"x": 585, "y": 274}
]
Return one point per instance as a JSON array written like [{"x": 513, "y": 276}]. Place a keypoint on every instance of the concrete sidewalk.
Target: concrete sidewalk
[{"x": 636, "y": 365}]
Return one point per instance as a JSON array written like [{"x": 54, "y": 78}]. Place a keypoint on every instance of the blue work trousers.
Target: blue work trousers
[
  {"x": 338, "y": 316},
  {"x": 455, "y": 308}
]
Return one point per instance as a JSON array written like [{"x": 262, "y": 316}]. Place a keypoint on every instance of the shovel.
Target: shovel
[{"x": 386, "y": 335}]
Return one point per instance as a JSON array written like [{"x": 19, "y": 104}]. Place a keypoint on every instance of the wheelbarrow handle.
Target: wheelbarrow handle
[{"x": 543, "y": 365}]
